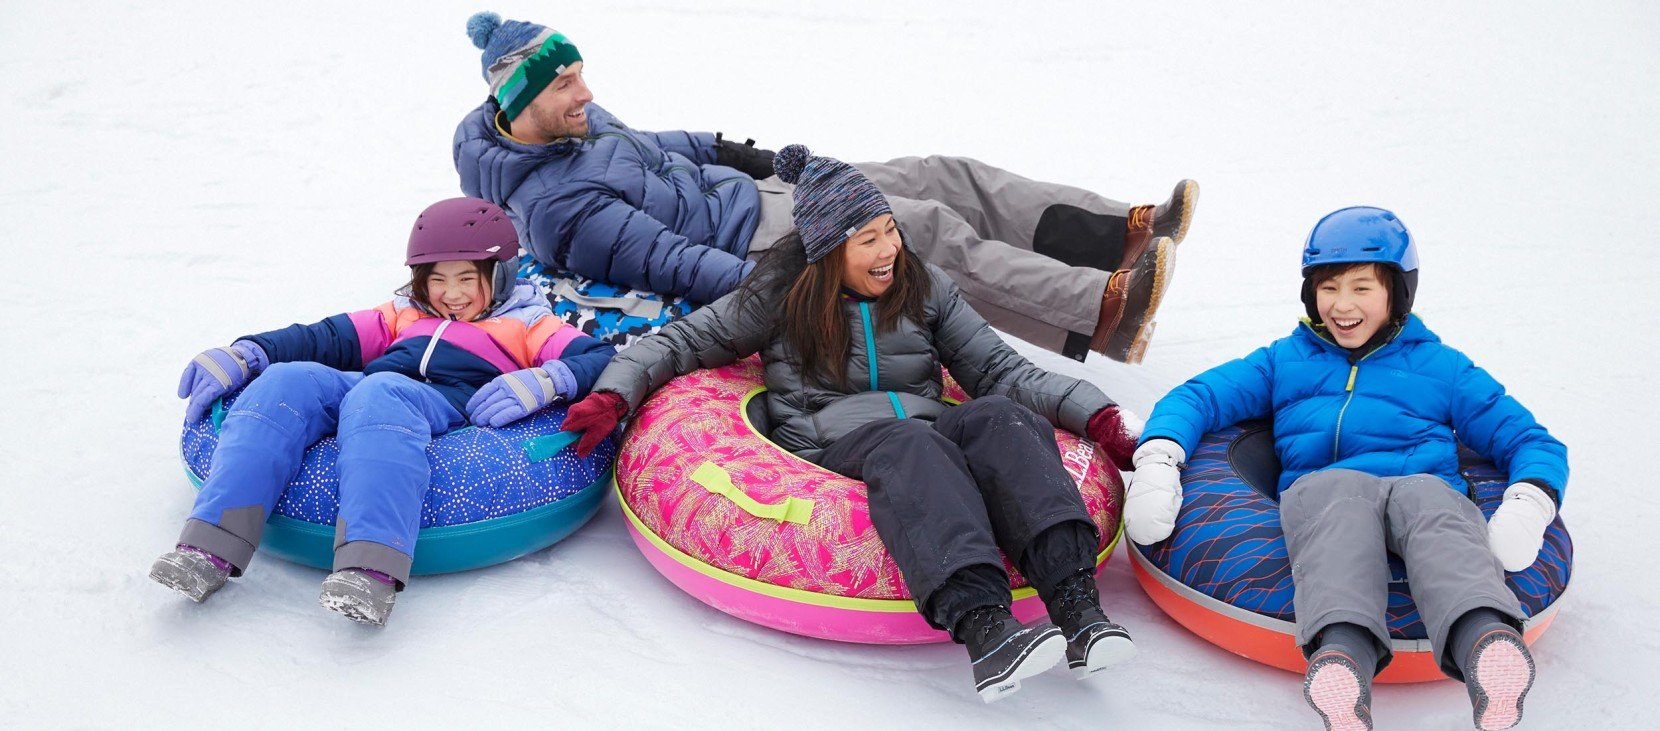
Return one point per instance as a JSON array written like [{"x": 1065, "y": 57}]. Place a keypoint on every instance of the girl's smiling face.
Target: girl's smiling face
[
  {"x": 1353, "y": 305},
  {"x": 457, "y": 290}
]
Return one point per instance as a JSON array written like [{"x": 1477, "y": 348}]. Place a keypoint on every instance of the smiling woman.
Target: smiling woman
[{"x": 853, "y": 330}]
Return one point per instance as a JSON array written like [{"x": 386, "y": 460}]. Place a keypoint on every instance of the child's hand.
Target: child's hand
[
  {"x": 1516, "y": 531},
  {"x": 1155, "y": 491},
  {"x": 595, "y": 417},
  {"x": 1116, "y": 430},
  {"x": 513, "y": 396},
  {"x": 214, "y": 373}
]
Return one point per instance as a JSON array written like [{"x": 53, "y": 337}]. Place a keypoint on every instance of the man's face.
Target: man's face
[{"x": 559, "y": 111}]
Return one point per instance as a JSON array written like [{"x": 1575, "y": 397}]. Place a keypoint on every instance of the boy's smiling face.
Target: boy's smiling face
[{"x": 1353, "y": 304}]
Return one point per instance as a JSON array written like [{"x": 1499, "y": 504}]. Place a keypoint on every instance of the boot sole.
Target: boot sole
[
  {"x": 1104, "y": 652},
  {"x": 1503, "y": 674},
  {"x": 180, "y": 579},
  {"x": 1040, "y": 656},
  {"x": 1133, "y": 351},
  {"x": 1334, "y": 689}
]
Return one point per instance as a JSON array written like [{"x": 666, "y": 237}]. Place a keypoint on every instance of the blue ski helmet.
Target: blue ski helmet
[{"x": 1364, "y": 235}]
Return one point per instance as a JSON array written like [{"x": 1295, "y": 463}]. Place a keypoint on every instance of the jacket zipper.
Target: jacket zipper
[
  {"x": 870, "y": 359},
  {"x": 431, "y": 346},
  {"x": 1337, "y": 437}
]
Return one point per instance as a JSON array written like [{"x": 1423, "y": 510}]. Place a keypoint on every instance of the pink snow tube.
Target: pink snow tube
[{"x": 761, "y": 534}]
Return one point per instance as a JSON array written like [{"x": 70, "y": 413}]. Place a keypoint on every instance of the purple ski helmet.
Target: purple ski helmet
[
  {"x": 462, "y": 229},
  {"x": 468, "y": 229}
]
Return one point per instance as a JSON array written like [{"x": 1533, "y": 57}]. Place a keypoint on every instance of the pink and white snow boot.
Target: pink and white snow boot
[
  {"x": 1498, "y": 676},
  {"x": 1335, "y": 688}
]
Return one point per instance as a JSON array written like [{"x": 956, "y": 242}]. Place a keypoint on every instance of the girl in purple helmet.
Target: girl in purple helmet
[{"x": 463, "y": 341}]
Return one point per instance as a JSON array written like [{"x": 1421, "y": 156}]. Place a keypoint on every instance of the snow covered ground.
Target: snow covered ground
[{"x": 178, "y": 174}]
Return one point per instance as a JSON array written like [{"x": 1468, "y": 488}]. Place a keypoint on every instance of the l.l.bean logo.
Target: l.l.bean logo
[{"x": 1077, "y": 460}]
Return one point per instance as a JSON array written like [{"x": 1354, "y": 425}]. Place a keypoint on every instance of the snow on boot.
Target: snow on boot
[
  {"x": 1093, "y": 642},
  {"x": 360, "y": 595},
  {"x": 1335, "y": 688},
  {"x": 1172, "y": 217},
  {"x": 1003, "y": 651},
  {"x": 191, "y": 572},
  {"x": 1498, "y": 675}
]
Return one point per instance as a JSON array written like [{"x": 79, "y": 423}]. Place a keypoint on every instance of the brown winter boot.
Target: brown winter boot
[
  {"x": 1138, "y": 232},
  {"x": 1173, "y": 216},
  {"x": 1132, "y": 298}
]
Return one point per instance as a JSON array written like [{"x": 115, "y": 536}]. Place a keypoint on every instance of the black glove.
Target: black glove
[{"x": 750, "y": 160}]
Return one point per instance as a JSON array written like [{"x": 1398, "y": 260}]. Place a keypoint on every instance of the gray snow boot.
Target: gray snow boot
[
  {"x": 359, "y": 596},
  {"x": 1172, "y": 217},
  {"x": 1003, "y": 651},
  {"x": 190, "y": 573}
]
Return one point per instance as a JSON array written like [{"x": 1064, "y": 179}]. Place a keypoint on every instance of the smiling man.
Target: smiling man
[{"x": 686, "y": 213}]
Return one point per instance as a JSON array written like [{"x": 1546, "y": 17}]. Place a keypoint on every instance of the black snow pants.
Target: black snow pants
[{"x": 946, "y": 496}]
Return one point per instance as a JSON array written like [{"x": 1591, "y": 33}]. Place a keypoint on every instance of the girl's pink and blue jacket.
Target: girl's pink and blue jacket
[{"x": 456, "y": 358}]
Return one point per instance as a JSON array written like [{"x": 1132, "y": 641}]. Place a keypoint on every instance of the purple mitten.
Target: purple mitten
[
  {"x": 513, "y": 396},
  {"x": 216, "y": 372}
]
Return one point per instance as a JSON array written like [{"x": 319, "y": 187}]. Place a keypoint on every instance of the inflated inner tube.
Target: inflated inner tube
[
  {"x": 495, "y": 495},
  {"x": 1224, "y": 573},
  {"x": 761, "y": 534}
]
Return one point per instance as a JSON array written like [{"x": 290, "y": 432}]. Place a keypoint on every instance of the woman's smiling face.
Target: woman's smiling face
[{"x": 870, "y": 256}]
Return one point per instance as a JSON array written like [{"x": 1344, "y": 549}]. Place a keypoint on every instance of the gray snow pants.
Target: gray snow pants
[
  {"x": 980, "y": 224},
  {"x": 1340, "y": 523}
]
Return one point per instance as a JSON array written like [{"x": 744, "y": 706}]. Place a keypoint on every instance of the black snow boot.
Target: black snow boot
[
  {"x": 1004, "y": 652},
  {"x": 750, "y": 160},
  {"x": 1093, "y": 642}
]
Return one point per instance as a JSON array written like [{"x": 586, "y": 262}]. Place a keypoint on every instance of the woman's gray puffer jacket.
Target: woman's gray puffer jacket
[{"x": 902, "y": 381}]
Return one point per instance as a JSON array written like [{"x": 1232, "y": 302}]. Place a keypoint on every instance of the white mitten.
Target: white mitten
[
  {"x": 1155, "y": 491},
  {"x": 1517, "y": 529}
]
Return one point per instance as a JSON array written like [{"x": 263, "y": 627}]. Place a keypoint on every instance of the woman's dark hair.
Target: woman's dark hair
[
  {"x": 804, "y": 302},
  {"x": 416, "y": 288}
]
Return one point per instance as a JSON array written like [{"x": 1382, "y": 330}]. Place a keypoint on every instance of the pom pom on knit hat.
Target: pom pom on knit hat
[
  {"x": 481, "y": 25},
  {"x": 789, "y": 162},
  {"x": 832, "y": 199}
]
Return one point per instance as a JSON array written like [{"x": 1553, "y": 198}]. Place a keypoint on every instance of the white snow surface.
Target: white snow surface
[{"x": 178, "y": 174}]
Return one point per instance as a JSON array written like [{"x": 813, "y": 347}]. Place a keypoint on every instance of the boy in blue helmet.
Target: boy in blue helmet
[{"x": 1369, "y": 407}]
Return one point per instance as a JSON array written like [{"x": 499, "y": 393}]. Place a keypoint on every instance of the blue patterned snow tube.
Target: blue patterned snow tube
[
  {"x": 496, "y": 494},
  {"x": 1227, "y": 558},
  {"x": 617, "y": 315}
]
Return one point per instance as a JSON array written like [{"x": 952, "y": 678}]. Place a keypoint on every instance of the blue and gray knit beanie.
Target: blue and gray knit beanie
[
  {"x": 832, "y": 199},
  {"x": 520, "y": 59}
]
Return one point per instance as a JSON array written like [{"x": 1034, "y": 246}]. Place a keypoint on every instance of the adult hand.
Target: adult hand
[
  {"x": 750, "y": 160},
  {"x": 1116, "y": 430},
  {"x": 595, "y": 417},
  {"x": 513, "y": 396},
  {"x": 1516, "y": 531},
  {"x": 1155, "y": 495},
  {"x": 216, "y": 372}
]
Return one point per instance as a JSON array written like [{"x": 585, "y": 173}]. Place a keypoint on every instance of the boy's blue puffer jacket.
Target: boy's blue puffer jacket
[
  {"x": 1394, "y": 412},
  {"x": 648, "y": 210}
]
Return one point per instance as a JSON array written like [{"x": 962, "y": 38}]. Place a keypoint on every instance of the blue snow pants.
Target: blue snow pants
[{"x": 383, "y": 421}]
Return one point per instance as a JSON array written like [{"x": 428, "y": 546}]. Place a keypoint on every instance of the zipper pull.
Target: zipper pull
[{"x": 1354, "y": 369}]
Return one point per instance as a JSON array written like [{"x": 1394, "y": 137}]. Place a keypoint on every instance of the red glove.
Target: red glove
[
  {"x": 1112, "y": 431},
  {"x": 596, "y": 417}
]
